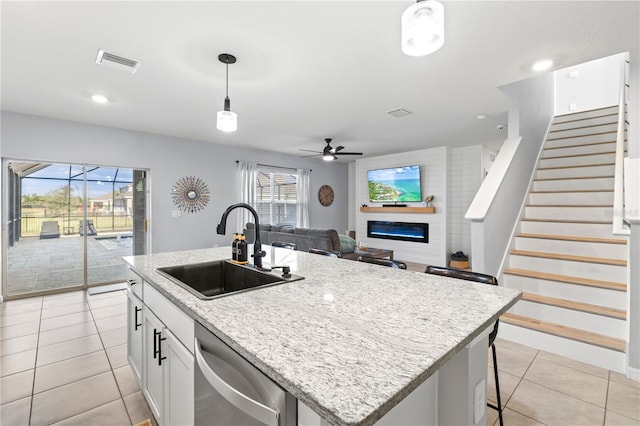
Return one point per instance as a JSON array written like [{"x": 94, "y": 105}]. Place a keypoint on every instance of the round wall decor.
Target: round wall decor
[
  {"x": 190, "y": 194},
  {"x": 325, "y": 195}
]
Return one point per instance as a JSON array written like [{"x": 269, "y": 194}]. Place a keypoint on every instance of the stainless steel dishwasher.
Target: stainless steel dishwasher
[{"x": 230, "y": 391}]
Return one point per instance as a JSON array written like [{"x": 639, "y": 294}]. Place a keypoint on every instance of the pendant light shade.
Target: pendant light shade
[
  {"x": 423, "y": 28},
  {"x": 227, "y": 119}
]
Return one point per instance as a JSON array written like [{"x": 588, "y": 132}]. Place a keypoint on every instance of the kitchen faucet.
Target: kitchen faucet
[{"x": 258, "y": 254}]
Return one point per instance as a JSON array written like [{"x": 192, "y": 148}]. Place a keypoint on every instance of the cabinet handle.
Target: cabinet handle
[
  {"x": 156, "y": 333},
  {"x": 132, "y": 282},
  {"x": 160, "y": 357},
  {"x": 135, "y": 319},
  {"x": 244, "y": 403}
]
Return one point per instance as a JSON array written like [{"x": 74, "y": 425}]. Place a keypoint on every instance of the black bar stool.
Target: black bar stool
[{"x": 485, "y": 279}]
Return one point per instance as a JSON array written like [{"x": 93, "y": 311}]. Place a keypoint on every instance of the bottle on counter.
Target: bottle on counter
[
  {"x": 234, "y": 247},
  {"x": 242, "y": 249}
]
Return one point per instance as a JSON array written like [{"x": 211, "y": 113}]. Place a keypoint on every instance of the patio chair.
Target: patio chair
[
  {"x": 50, "y": 229},
  {"x": 90, "y": 229}
]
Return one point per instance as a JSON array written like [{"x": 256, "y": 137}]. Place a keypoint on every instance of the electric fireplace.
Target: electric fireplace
[{"x": 402, "y": 231}]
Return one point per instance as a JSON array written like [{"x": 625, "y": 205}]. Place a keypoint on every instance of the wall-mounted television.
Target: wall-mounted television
[{"x": 397, "y": 184}]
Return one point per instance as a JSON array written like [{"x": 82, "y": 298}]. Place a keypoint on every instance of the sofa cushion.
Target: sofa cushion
[
  {"x": 347, "y": 244},
  {"x": 331, "y": 234},
  {"x": 282, "y": 228}
]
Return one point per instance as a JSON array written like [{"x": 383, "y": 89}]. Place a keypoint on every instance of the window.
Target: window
[{"x": 276, "y": 196}]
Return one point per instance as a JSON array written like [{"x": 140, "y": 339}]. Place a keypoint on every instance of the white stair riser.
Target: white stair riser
[
  {"x": 563, "y": 228},
  {"x": 573, "y": 172},
  {"x": 576, "y": 248},
  {"x": 571, "y": 318},
  {"x": 581, "y": 160},
  {"x": 583, "y": 115},
  {"x": 578, "y": 293},
  {"x": 586, "y": 131},
  {"x": 572, "y": 198},
  {"x": 596, "y": 121},
  {"x": 598, "y": 214},
  {"x": 584, "y": 352},
  {"x": 573, "y": 184},
  {"x": 595, "y": 271},
  {"x": 580, "y": 140},
  {"x": 577, "y": 150}
]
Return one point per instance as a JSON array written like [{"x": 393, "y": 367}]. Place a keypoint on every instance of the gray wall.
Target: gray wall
[{"x": 27, "y": 137}]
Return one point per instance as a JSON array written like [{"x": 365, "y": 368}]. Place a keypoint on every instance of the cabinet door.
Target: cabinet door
[
  {"x": 153, "y": 364},
  {"x": 178, "y": 382},
  {"x": 134, "y": 335}
]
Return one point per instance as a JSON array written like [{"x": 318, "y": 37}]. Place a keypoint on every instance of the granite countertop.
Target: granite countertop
[{"x": 352, "y": 339}]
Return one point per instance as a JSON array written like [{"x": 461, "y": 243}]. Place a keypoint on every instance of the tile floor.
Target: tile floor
[{"x": 64, "y": 362}]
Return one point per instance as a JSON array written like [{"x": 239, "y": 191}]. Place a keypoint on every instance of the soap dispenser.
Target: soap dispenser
[
  {"x": 234, "y": 247},
  {"x": 242, "y": 249}
]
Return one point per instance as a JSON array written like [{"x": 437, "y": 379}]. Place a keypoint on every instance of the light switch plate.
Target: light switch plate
[
  {"x": 573, "y": 74},
  {"x": 479, "y": 401},
  {"x": 573, "y": 107},
  {"x": 176, "y": 213}
]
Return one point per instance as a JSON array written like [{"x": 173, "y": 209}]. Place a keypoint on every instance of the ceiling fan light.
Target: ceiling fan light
[
  {"x": 328, "y": 157},
  {"x": 423, "y": 28},
  {"x": 227, "y": 121}
]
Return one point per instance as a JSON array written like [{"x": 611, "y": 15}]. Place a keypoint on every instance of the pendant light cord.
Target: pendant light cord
[{"x": 227, "y": 62}]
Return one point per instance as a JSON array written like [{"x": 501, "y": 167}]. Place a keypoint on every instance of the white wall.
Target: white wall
[
  {"x": 494, "y": 211},
  {"x": 433, "y": 164},
  {"x": 591, "y": 85},
  {"x": 27, "y": 137},
  {"x": 465, "y": 175}
]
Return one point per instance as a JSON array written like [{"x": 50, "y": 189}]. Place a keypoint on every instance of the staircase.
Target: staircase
[{"x": 571, "y": 269}]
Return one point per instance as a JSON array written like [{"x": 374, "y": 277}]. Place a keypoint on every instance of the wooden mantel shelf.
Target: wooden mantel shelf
[{"x": 398, "y": 209}]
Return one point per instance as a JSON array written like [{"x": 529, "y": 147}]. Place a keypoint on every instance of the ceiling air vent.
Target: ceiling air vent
[
  {"x": 397, "y": 113},
  {"x": 117, "y": 62}
]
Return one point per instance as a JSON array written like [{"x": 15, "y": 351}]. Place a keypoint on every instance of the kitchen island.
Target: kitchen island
[{"x": 351, "y": 340}]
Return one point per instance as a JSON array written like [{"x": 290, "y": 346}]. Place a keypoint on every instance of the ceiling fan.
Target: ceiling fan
[{"x": 329, "y": 153}]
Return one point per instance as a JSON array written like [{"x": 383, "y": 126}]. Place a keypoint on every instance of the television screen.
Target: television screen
[{"x": 396, "y": 184}]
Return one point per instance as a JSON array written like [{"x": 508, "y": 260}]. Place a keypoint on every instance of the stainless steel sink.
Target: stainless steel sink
[{"x": 219, "y": 278}]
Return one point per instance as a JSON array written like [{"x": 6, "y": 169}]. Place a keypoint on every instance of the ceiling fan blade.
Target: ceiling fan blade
[
  {"x": 312, "y": 155},
  {"x": 309, "y": 150},
  {"x": 338, "y": 148},
  {"x": 350, "y": 153}
]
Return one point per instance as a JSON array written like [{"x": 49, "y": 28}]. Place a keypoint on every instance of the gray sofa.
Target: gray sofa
[{"x": 303, "y": 238}]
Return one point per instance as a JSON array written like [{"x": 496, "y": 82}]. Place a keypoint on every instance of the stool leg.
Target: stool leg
[{"x": 495, "y": 376}]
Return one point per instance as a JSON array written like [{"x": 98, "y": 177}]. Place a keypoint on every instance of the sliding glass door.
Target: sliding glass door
[{"x": 68, "y": 225}]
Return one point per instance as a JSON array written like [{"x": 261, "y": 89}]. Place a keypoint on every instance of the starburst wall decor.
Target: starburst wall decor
[{"x": 190, "y": 194}]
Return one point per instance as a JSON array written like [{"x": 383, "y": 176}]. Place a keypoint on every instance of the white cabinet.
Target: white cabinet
[
  {"x": 178, "y": 382},
  {"x": 160, "y": 345},
  {"x": 153, "y": 373},
  {"x": 134, "y": 335}
]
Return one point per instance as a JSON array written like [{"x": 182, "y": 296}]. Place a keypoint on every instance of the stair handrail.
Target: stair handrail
[{"x": 619, "y": 225}]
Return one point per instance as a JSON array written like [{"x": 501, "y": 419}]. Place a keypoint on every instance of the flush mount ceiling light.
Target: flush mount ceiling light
[
  {"x": 422, "y": 28},
  {"x": 227, "y": 119},
  {"x": 542, "y": 65},
  {"x": 99, "y": 99}
]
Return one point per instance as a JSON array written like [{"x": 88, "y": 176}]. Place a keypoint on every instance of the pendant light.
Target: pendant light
[
  {"x": 423, "y": 28},
  {"x": 227, "y": 119}
]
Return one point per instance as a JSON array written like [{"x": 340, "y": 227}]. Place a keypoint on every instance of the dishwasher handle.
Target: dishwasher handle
[{"x": 241, "y": 401}]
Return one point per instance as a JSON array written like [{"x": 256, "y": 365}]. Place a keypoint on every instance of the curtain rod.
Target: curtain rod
[{"x": 275, "y": 167}]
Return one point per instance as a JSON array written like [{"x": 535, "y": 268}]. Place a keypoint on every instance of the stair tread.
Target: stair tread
[
  {"x": 611, "y": 285},
  {"x": 582, "y": 136},
  {"x": 576, "y": 306},
  {"x": 578, "y": 145},
  {"x": 594, "y": 222},
  {"x": 582, "y": 206},
  {"x": 575, "y": 177},
  {"x": 559, "y": 256},
  {"x": 571, "y": 191},
  {"x": 576, "y": 166},
  {"x": 566, "y": 332},
  {"x": 573, "y": 238},
  {"x": 578, "y": 155},
  {"x": 582, "y": 127}
]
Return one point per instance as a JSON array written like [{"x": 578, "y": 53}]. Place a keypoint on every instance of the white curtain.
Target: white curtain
[
  {"x": 302, "y": 209},
  {"x": 246, "y": 190}
]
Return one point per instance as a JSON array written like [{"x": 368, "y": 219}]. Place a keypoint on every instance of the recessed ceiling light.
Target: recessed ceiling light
[
  {"x": 542, "y": 65},
  {"x": 100, "y": 99},
  {"x": 481, "y": 116}
]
